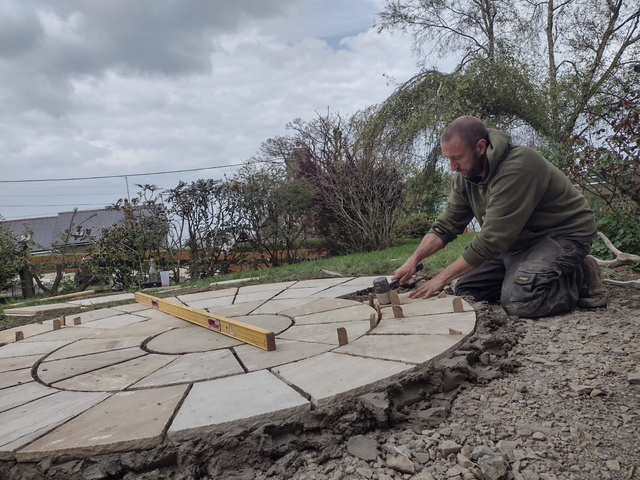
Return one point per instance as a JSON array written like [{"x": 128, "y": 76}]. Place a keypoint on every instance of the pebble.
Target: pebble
[
  {"x": 400, "y": 463},
  {"x": 633, "y": 378},
  {"x": 449, "y": 447}
]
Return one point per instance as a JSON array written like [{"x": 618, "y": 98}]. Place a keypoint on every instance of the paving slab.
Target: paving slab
[
  {"x": 190, "y": 339},
  {"x": 416, "y": 349},
  {"x": 125, "y": 421},
  {"x": 320, "y": 282},
  {"x": 286, "y": 351},
  {"x": 298, "y": 293},
  {"x": 278, "y": 306},
  {"x": 21, "y": 394},
  {"x": 207, "y": 295},
  {"x": 95, "y": 345},
  {"x": 17, "y": 363},
  {"x": 23, "y": 424},
  {"x": 347, "y": 314},
  {"x": 211, "y": 302},
  {"x": 319, "y": 305},
  {"x": 332, "y": 377},
  {"x": 365, "y": 281},
  {"x": 160, "y": 318},
  {"x": 53, "y": 371},
  {"x": 21, "y": 349},
  {"x": 9, "y": 335},
  {"x": 130, "y": 307},
  {"x": 339, "y": 291},
  {"x": 241, "y": 401},
  {"x": 15, "y": 377},
  {"x": 264, "y": 287},
  {"x": 273, "y": 323},
  {"x": 143, "y": 328},
  {"x": 67, "y": 333},
  {"x": 236, "y": 309},
  {"x": 105, "y": 299},
  {"x": 263, "y": 295},
  {"x": 90, "y": 316},
  {"x": 427, "y": 306},
  {"x": 437, "y": 324},
  {"x": 324, "y": 332},
  {"x": 39, "y": 309},
  {"x": 116, "y": 321},
  {"x": 193, "y": 367},
  {"x": 116, "y": 377}
]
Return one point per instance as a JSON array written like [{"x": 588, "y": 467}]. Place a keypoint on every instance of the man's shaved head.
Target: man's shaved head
[{"x": 470, "y": 130}]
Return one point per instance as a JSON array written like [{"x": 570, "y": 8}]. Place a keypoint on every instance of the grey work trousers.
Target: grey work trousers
[{"x": 545, "y": 279}]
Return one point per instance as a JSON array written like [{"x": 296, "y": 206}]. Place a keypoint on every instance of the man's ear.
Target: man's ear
[{"x": 481, "y": 146}]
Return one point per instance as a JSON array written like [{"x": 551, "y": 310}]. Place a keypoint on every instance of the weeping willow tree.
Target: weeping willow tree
[{"x": 407, "y": 126}]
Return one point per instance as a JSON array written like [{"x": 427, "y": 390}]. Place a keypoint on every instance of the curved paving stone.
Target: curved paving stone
[
  {"x": 274, "y": 323},
  {"x": 325, "y": 332},
  {"x": 21, "y": 394},
  {"x": 129, "y": 376},
  {"x": 50, "y": 372},
  {"x": 190, "y": 339},
  {"x": 22, "y": 425},
  {"x": 116, "y": 377},
  {"x": 193, "y": 367},
  {"x": 125, "y": 421},
  {"x": 215, "y": 405}
]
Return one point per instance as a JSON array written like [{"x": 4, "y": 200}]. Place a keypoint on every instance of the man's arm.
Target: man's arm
[
  {"x": 429, "y": 245},
  {"x": 454, "y": 270}
]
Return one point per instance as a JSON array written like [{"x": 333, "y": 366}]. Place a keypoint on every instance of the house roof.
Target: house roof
[{"x": 46, "y": 231}]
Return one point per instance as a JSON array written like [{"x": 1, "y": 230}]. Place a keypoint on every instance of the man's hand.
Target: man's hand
[
  {"x": 428, "y": 289},
  {"x": 404, "y": 273}
]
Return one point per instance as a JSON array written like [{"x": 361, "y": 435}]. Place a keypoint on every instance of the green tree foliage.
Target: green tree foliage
[
  {"x": 207, "y": 210},
  {"x": 605, "y": 161},
  {"x": 274, "y": 210},
  {"x": 12, "y": 256},
  {"x": 122, "y": 252}
]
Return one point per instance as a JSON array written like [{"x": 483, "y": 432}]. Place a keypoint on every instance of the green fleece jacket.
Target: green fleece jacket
[{"x": 522, "y": 199}]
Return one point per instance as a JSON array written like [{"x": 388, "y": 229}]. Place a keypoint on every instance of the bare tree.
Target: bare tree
[
  {"x": 578, "y": 51},
  {"x": 358, "y": 189}
]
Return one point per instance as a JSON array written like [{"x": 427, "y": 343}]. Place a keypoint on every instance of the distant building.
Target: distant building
[{"x": 86, "y": 226}]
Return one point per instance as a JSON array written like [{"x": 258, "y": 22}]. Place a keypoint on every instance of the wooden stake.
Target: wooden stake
[
  {"x": 454, "y": 332},
  {"x": 63, "y": 320},
  {"x": 343, "y": 339},
  {"x": 373, "y": 321},
  {"x": 253, "y": 335},
  {"x": 442, "y": 294},
  {"x": 19, "y": 335},
  {"x": 393, "y": 295},
  {"x": 56, "y": 324},
  {"x": 371, "y": 300},
  {"x": 397, "y": 311},
  {"x": 39, "y": 321},
  {"x": 77, "y": 321},
  {"x": 457, "y": 305}
]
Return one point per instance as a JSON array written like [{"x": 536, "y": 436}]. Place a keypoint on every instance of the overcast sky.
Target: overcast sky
[{"x": 120, "y": 87}]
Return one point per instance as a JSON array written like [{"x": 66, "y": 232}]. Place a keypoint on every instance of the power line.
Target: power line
[{"x": 120, "y": 176}]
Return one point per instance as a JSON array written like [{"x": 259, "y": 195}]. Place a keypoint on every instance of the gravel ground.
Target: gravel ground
[{"x": 549, "y": 399}]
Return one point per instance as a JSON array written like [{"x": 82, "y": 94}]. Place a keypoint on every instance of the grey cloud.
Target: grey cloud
[
  {"x": 20, "y": 31},
  {"x": 167, "y": 37}
]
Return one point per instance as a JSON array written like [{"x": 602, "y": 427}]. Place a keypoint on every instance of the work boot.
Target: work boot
[{"x": 593, "y": 292}]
